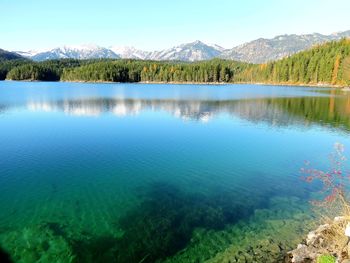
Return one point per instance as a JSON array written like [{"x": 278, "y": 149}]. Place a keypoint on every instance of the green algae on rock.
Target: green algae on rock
[
  {"x": 266, "y": 237},
  {"x": 37, "y": 244}
]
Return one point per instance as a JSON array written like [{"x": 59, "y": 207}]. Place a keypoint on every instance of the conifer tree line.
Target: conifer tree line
[
  {"x": 328, "y": 63},
  {"x": 154, "y": 71}
]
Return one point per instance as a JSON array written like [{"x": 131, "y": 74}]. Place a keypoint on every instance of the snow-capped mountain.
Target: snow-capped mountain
[
  {"x": 76, "y": 52},
  {"x": 129, "y": 52},
  {"x": 260, "y": 50},
  {"x": 217, "y": 47},
  {"x": 28, "y": 54},
  {"x": 263, "y": 50},
  {"x": 194, "y": 51}
]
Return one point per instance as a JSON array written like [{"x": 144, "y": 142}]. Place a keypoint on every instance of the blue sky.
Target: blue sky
[{"x": 158, "y": 24}]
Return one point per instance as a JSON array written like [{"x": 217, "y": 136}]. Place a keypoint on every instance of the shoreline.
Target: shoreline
[
  {"x": 286, "y": 84},
  {"x": 327, "y": 239}
]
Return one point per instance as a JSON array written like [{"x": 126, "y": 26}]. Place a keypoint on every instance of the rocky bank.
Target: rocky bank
[{"x": 327, "y": 240}]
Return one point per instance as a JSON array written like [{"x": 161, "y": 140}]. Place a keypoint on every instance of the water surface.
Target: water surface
[{"x": 146, "y": 173}]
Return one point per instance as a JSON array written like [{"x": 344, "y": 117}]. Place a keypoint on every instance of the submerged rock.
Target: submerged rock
[
  {"x": 36, "y": 244},
  {"x": 266, "y": 237}
]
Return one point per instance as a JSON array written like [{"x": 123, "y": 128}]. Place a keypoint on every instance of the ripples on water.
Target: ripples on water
[{"x": 146, "y": 173}]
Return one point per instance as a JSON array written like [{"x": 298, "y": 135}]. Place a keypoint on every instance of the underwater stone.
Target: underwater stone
[{"x": 36, "y": 244}]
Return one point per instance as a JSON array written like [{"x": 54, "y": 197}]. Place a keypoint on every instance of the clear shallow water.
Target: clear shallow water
[{"x": 145, "y": 173}]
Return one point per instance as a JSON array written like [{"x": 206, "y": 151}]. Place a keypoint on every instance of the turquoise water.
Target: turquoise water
[{"x": 153, "y": 173}]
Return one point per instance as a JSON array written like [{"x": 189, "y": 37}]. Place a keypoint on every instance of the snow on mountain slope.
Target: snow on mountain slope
[
  {"x": 260, "y": 50},
  {"x": 129, "y": 52},
  {"x": 194, "y": 51},
  {"x": 76, "y": 52},
  {"x": 263, "y": 50}
]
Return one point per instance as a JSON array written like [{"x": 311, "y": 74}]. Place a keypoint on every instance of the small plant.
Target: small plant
[
  {"x": 326, "y": 259},
  {"x": 332, "y": 203},
  {"x": 334, "y": 182}
]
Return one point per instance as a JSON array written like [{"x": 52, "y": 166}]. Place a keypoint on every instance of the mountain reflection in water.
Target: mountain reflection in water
[{"x": 332, "y": 111}]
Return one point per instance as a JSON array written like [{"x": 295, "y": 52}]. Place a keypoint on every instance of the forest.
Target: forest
[
  {"x": 154, "y": 71},
  {"x": 326, "y": 64},
  {"x": 323, "y": 64}
]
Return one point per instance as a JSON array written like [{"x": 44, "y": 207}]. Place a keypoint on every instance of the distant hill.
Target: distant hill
[
  {"x": 263, "y": 50},
  {"x": 7, "y": 55}
]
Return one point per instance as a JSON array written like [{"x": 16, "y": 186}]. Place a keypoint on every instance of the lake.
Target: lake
[{"x": 160, "y": 172}]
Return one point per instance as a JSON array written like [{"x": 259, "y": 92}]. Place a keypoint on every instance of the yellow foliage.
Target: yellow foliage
[
  {"x": 335, "y": 70},
  {"x": 263, "y": 66},
  {"x": 346, "y": 68}
]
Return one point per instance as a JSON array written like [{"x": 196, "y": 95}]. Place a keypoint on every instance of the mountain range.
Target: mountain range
[
  {"x": 260, "y": 50},
  {"x": 263, "y": 50}
]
